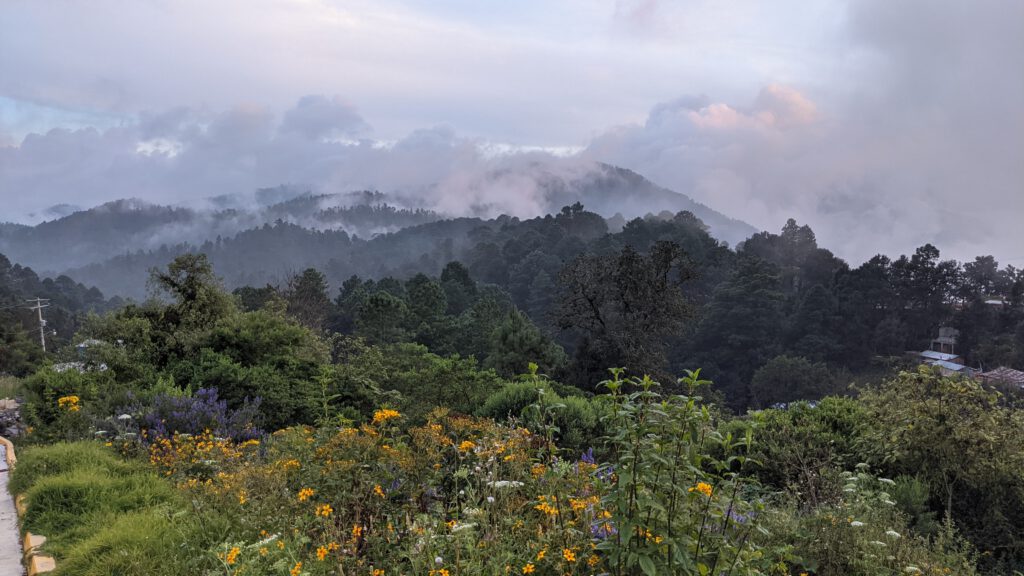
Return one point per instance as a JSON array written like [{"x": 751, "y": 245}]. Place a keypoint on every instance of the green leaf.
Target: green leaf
[{"x": 647, "y": 565}]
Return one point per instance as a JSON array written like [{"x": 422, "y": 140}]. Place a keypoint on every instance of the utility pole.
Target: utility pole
[{"x": 40, "y": 303}]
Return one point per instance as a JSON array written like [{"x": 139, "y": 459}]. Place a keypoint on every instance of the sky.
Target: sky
[{"x": 883, "y": 125}]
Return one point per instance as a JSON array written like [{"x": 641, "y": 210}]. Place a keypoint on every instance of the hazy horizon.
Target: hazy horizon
[{"x": 883, "y": 126}]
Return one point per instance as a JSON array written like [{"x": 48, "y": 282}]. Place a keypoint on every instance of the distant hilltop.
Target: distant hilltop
[{"x": 76, "y": 237}]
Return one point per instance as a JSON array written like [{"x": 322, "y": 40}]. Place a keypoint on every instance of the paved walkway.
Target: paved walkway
[{"x": 10, "y": 542}]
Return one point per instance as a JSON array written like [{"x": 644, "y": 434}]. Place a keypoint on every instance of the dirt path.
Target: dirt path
[{"x": 10, "y": 542}]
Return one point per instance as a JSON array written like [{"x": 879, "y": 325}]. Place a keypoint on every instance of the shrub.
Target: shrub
[
  {"x": 863, "y": 532},
  {"x": 803, "y": 447},
  {"x": 785, "y": 379},
  {"x": 576, "y": 419},
  {"x": 49, "y": 407},
  {"x": 201, "y": 412}
]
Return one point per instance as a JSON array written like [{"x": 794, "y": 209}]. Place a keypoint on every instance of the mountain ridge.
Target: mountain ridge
[{"x": 128, "y": 226}]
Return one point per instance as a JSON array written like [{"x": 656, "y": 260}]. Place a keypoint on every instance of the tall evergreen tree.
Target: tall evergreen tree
[
  {"x": 741, "y": 328},
  {"x": 516, "y": 343},
  {"x": 307, "y": 299}
]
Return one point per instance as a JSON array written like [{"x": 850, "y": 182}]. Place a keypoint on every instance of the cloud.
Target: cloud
[
  {"x": 316, "y": 117},
  {"x": 884, "y": 125},
  {"x": 533, "y": 73},
  {"x": 916, "y": 138},
  {"x": 188, "y": 156}
]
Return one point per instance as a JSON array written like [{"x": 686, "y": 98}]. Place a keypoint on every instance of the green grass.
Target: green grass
[
  {"x": 69, "y": 506},
  {"x": 102, "y": 515},
  {"x": 10, "y": 387},
  {"x": 36, "y": 462},
  {"x": 143, "y": 542}
]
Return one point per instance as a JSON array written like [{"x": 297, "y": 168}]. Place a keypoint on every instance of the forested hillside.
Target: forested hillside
[
  {"x": 132, "y": 228},
  {"x": 417, "y": 418},
  {"x": 456, "y": 372},
  {"x": 659, "y": 294},
  {"x": 20, "y": 350}
]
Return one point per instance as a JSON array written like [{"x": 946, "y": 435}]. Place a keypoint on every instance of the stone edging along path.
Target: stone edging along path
[{"x": 11, "y": 555}]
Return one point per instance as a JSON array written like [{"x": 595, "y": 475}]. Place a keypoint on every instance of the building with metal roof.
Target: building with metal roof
[
  {"x": 1003, "y": 375},
  {"x": 932, "y": 356}
]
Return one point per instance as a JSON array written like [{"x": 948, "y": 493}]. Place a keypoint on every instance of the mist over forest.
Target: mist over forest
[{"x": 114, "y": 245}]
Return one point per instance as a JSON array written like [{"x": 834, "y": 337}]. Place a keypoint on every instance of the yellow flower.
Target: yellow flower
[
  {"x": 593, "y": 560},
  {"x": 232, "y": 555},
  {"x": 381, "y": 416},
  {"x": 321, "y": 553},
  {"x": 357, "y": 531},
  {"x": 263, "y": 551},
  {"x": 540, "y": 555},
  {"x": 69, "y": 402},
  {"x": 702, "y": 487},
  {"x": 297, "y": 569},
  {"x": 305, "y": 494},
  {"x": 378, "y": 572},
  {"x": 546, "y": 507},
  {"x": 242, "y": 497},
  {"x": 332, "y": 546},
  {"x": 280, "y": 545},
  {"x": 528, "y": 569},
  {"x": 324, "y": 510},
  {"x": 569, "y": 555},
  {"x": 466, "y": 446},
  {"x": 378, "y": 491}
]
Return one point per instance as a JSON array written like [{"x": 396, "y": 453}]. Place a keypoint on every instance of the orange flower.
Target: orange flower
[
  {"x": 324, "y": 510},
  {"x": 321, "y": 553},
  {"x": 232, "y": 555},
  {"x": 297, "y": 569},
  {"x": 702, "y": 487},
  {"x": 569, "y": 555},
  {"x": 305, "y": 494},
  {"x": 381, "y": 416},
  {"x": 528, "y": 569}
]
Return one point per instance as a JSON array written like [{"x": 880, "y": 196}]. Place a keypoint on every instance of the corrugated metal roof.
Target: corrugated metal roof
[
  {"x": 1004, "y": 374},
  {"x": 933, "y": 355},
  {"x": 948, "y": 365}
]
